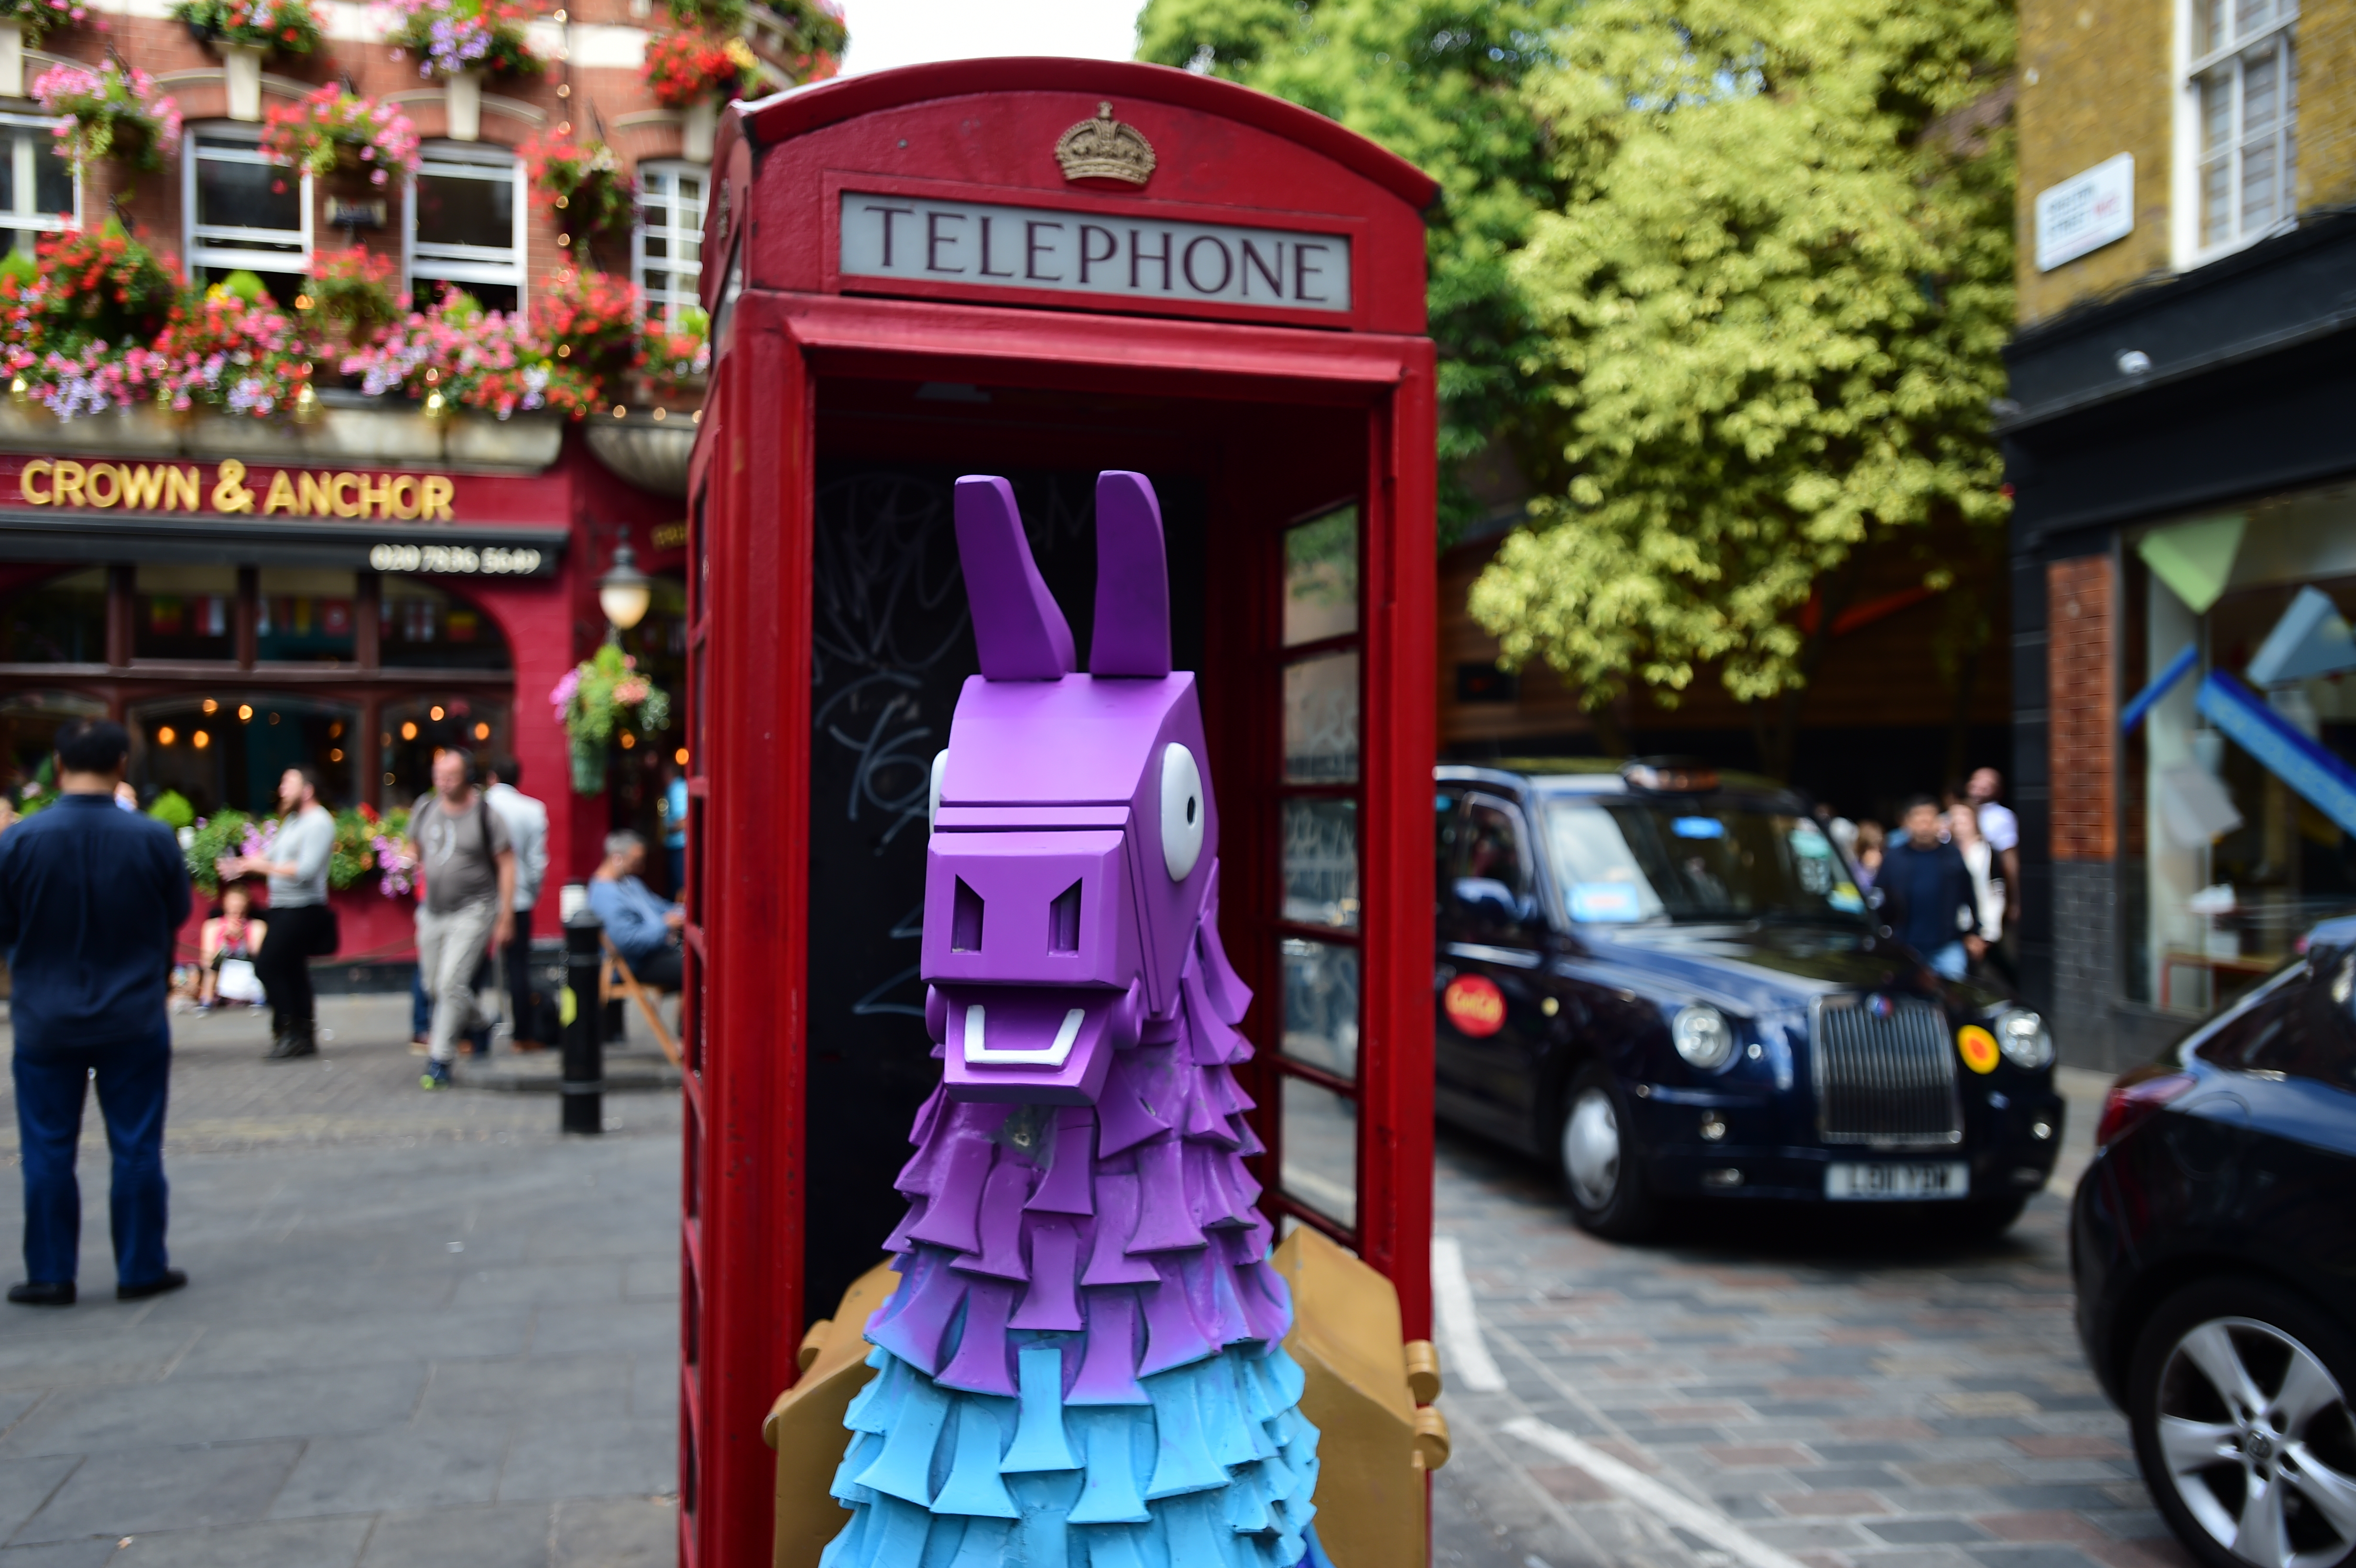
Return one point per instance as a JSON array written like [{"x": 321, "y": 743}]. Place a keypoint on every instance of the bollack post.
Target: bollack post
[{"x": 583, "y": 1081}]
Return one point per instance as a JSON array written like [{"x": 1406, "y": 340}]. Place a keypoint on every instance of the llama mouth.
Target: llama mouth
[{"x": 1016, "y": 1042}]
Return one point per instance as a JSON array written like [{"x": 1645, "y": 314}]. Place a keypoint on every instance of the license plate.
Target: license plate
[{"x": 1893, "y": 1181}]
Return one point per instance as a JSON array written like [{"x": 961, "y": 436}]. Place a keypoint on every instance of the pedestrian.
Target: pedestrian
[
  {"x": 233, "y": 935},
  {"x": 469, "y": 906},
  {"x": 2001, "y": 828},
  {"x": 92, "y": 899},
  {"x": 643, "y": 928},
  {"x": 302, "y": 926},
  {"x": 526, "y": 822},
  {"x": 1868, "y": 852},
  {"x": 1927, "y": 890},
  {"x": 674, "y": 815},
  {"x": 1988, "y": 881}
]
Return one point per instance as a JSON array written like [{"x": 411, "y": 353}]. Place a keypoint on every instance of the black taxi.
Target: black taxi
[{"x": 1671, "y": 982}]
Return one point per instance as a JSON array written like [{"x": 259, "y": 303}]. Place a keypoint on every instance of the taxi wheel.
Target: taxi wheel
[{"x": 1602, "y": 1163}]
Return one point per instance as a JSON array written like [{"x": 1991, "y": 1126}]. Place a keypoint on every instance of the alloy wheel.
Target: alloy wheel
[
  {"x": 1591, "y": 1148},
  {"x": 2259, "y": 1444}
]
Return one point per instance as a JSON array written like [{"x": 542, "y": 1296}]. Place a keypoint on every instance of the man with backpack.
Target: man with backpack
[{"x": 470, "y": 864}]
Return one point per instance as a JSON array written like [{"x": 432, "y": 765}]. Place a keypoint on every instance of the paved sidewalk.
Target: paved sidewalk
[
  {"x": 423, "y": 1328},
  {"x": 1819, "y": 1387}
]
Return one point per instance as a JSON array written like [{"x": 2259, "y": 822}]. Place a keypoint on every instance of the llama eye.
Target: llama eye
[
  {"x": 933, "y": 802},
  {"x": 1183, "y": 811}
]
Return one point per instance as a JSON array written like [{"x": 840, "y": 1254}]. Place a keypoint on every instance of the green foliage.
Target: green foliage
[
  {"x": 1443, "y": 83},
  {"x": 218, "y": 837},
  {"x": 244, "y": 285},
  {"x": 1772, "y": 302},
  {"x": 172, "y": 809}
]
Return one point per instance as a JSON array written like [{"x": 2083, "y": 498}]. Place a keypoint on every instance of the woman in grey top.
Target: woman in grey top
[{"x": 300, "y": 925}]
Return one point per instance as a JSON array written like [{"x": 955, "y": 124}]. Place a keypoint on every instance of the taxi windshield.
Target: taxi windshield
[{"x": 1623, "y": 860}]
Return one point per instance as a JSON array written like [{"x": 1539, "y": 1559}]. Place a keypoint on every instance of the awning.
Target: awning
[{"x": 489, "y": 550}]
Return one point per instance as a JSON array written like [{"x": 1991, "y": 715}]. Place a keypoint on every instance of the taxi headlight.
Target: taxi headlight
[
  {"x": 2023, "y": 1037},
  {"x": 1702, "y": 1036}
]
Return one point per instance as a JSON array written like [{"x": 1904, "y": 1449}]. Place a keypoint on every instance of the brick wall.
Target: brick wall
[
  {"x": 2094, "y": 82},
  {"x": 2326, "y": 103},
  {"x": 2082, "y": 710}
]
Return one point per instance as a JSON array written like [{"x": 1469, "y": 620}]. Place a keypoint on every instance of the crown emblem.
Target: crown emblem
[{"x": 1105, "y": 149}]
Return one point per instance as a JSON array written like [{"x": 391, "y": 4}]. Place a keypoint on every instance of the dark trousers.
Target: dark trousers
[
  {"x": 132, "y": 1078},
  {"x": 518, "y": 959},
  {"x": 284, "y": 963},
  {"x": 660, "y": 968}
]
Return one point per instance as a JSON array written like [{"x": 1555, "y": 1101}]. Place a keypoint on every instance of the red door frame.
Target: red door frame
[{"x": 752, "y": 521}]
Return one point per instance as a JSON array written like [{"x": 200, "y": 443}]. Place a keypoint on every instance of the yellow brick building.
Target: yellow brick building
[{"x": 2184, "y": 475}]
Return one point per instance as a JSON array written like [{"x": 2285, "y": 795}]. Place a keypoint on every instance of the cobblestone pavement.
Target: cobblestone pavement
[
  {"x": 423, "y": 1328},
  {"x": 1826, "y": 1389}
]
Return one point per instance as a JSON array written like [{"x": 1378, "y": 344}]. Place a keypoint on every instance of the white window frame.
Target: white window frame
[
  {"x": 677, "y": 300},
  {"x": 2277, "y": 35},
  {"x": 24, "y": 152},
  {"x": 464, "y": 264},
  {"x": 215, "y": 244}
]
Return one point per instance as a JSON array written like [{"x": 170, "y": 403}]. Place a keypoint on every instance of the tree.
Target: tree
[
  {"x": 1771, "y": 301},
  {"x": 1440, "y": 82}
]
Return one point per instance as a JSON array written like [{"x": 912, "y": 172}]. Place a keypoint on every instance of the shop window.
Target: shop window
[
  {"x": 62, "y": 621},
  {"x": 2240, "y": 98},
  {"x": 228, "y": 751},
  {"x": 2227, "y": 863},
  {"x": 667, "y": 249},
  {"x": 305, "y": 614},
  {"x": 246, "y": 211},
  {"x": 466, "y": 226},
  {"x": 38, "y": 194},
  {"x": 183, "y": 612},
  {"x": 422, "y": 627},
  {"x": 29, "y": 722},
  {"x": 417, "y": 729}
]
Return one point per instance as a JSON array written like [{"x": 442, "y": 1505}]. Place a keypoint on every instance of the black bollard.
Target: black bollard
[{"x": 584, "y": 1082}]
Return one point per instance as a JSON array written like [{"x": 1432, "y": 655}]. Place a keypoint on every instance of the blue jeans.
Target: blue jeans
[
  {"x": 133, "y": 1078},
  {"x": 1950, "y": 961}
]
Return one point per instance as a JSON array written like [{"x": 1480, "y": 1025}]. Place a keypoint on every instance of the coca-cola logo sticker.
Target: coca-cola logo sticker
[{"x": 1474, "y": 1005}]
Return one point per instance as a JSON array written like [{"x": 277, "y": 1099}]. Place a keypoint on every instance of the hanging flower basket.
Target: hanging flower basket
[
  {"x": 691, "y": 65},
  {"x": 450, "y": 37},
  {"x": 599, "y": 698},
  {"x": 274, "y": 26},
  {"x": 579, "y": 185},
  {"x": 588, "y": 320},
  {"x": 34, "y": 17},
  {"x": 331, "y": 133},
  {"x": 678, "y": 354},
  {"x": 115, "y": 111},
  {"x": 352, "y": 295}
]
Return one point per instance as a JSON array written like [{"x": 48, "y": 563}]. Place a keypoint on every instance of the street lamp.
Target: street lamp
[{"x": 624, "y": 592}]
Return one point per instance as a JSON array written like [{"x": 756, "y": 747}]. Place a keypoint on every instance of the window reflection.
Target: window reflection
[
  {"x": 183, "y": 612},
  {"x": 1321, "y": 1005},
  {"x": 1320, "y": 578},
  {"x": 233, "y": 756},
  {"x": 1321, "y": 862},
  {"x": 422, "y": 626},
  {"x": 305, "y": 614},
  {"x": 1321, "y": 720},
  {"x": 62, "y": 621},
  {"x": 1320, "y": 1132}
]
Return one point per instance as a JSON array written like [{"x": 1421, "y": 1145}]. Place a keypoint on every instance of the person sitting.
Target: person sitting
[
  {"x": 232, "y": 933},
  {"x": 644, "y": 929}
]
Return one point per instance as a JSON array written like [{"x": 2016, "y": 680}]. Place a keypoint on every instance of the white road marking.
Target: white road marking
[
  {"x": 1672, "y": 1506},
  {"x": 1464, "y": 1358}
]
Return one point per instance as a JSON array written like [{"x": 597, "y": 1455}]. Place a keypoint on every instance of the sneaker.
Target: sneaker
[{"x": 437, "y": 1075}]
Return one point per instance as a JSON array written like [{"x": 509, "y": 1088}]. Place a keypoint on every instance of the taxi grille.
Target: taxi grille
[{"x": 1884, "y": 1081}]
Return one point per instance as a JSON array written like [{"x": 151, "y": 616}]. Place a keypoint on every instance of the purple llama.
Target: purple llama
[{"x": 1083, "y": 1364}]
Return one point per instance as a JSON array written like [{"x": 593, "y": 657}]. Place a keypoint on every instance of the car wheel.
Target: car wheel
[
  {"x": 1603, "y": 1163},
  {"x": 2238, "y": 1396}
]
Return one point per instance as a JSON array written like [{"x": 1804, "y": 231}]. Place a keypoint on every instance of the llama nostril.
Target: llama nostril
[
  {"x": 965, "y": 919},
  {"x": 1063, "y": 920}
]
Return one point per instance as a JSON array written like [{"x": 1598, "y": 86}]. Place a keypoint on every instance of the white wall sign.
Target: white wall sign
[
  {"x": 1052, "y": 250},
  {"x": 2085, "y": 212}
]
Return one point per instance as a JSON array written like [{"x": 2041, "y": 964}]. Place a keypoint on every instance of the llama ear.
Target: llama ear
[
  {"x": 1017, "y": 628},
  {"x": 1132, "y": 631}
]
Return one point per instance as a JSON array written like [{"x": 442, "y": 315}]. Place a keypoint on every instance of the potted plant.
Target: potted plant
[
  {"x": 694, "y": 70},
  {"x": 458, "y": 356},
  {"x": 237, "y": 355},
  {"x": 115, "y": 111},
  {"x": 461, "y": 41},
  {"x": 333, "y": 134},
  {"x": 244, "y": 31},
  {"x": 677, "y": 355},
  {"x": 350, "y": 294},
  {"x": 580, "y": 185},
  {"x": 590, "y": 321},
  {"x": 22, "y": 24},
  {"x": 602, "y": 695}
]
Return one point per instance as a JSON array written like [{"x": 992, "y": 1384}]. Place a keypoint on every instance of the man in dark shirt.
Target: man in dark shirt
[
  {"x": 1927, "y": 891},
  {"x": 91, "y": 899}
]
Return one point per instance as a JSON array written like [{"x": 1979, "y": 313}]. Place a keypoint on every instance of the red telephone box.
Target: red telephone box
[{"x": 1039, "y": 269}]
